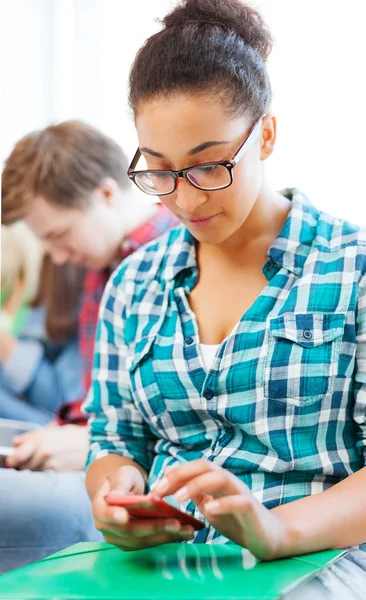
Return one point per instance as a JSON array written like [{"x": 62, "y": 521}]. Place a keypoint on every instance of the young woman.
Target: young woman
[{"x": 230, "y": 356}]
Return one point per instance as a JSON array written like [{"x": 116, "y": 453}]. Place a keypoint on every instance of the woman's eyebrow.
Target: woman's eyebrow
[
  {"x": 194, "y": 150},
  {"x": 204, "y": 146}
]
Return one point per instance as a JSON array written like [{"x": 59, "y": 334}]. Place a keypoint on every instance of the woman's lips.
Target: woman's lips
[{"x": 204, "y": 221}]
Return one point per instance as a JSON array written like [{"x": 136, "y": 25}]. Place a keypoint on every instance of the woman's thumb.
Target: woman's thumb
[{"x": 122, "y": 480}]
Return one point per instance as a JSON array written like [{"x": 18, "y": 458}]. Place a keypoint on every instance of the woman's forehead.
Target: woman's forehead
[{"x": 186, "y": 122}]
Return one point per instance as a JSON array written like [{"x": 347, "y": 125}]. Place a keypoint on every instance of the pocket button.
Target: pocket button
[{"x": 307, "y": 335}]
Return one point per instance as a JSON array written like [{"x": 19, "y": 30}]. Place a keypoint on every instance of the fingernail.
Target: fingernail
[
  {"x": 187, "y": 535},
  {"x": 116, "y": 493},
  {"x": 172, "y": 527},
  {"x": 111, "y": 493},
  {"x": 120, "y": 516},
  {"x": 182, "y": 494},
  {"x": 212, "y": 506}
]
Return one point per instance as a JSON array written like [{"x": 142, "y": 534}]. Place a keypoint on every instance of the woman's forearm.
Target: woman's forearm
[
  {"x": 335, "y": 518},
  {"x": 100, "y": 468}
]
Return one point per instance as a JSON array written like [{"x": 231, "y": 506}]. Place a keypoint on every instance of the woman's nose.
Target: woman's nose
[{"x": 188, "y": 198}]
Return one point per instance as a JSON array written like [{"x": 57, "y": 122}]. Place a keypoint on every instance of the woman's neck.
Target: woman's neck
[{"x": 257, "y": 233}]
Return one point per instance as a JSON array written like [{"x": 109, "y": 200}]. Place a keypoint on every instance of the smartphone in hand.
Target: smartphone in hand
[{"x": 151, "y": 507}]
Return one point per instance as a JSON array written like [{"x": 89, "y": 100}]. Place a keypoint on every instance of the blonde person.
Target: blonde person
[
  {"x": 21, "y": 259},
  {"x": 229, "y": 370},
  {"x": 39, "y": 369}
]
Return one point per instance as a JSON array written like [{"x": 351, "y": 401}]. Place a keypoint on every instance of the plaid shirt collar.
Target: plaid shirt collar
[
  {"x": 292, "y": 246},
  {"x": 289, "y": 250}
]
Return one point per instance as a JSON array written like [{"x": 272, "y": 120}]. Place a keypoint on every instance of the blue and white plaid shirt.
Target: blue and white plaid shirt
[{"x": 283, "y": 406}]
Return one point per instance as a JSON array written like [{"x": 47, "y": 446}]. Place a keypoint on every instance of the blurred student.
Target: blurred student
[{"x": 69, "y": 184}]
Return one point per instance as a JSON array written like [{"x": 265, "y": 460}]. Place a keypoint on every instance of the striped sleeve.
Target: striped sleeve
[{"x": 115, "y": 424}]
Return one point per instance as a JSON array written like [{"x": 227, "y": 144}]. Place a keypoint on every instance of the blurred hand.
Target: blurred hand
[
  {"x": 132, "y": 534},
  {"x": 7, "y": 345},
  {"x": 52, "y": 447}
]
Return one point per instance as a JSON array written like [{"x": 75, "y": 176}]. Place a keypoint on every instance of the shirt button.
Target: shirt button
[
  {"x": 189, "y": 340},
  {"x": 208, "y": 394},
  {"x": 307, "y": 334}
]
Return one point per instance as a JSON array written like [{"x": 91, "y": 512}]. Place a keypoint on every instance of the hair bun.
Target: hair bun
[{"x": 233, "y": 15}]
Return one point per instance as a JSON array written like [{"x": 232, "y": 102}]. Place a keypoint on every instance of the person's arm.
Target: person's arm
[
  {"x": 335, "y": 518},
  {"x": 121, "y": 443},
  {"x": 118, "y": 433}
]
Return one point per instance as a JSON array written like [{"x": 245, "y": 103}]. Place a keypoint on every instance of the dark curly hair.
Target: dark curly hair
[{"x": 212, "y": 46}]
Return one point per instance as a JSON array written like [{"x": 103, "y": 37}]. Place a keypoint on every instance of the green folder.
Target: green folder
[{"x": 98, "y": 571}]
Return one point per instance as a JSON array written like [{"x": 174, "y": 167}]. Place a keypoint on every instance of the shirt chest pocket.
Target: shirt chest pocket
[{"x": 302, "y": 359}]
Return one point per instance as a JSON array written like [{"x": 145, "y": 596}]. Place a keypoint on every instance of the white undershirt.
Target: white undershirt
[{"x": 208, "y": 352}]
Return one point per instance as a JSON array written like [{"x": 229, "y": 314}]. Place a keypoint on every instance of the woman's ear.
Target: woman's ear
[{"x": 268, "y": 136}]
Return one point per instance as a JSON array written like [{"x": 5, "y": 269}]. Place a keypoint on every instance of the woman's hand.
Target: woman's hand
[
  {"x": 132, "y": 534},
  {"x": 228, "y": 505}
]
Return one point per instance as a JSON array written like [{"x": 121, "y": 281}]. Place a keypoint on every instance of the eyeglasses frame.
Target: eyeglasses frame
[{"x": 182, "y": 173}]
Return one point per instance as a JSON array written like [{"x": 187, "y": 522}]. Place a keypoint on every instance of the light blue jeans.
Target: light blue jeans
[
  {"x": 42, "y": 513},
  {"x": 52, "y": 384}
]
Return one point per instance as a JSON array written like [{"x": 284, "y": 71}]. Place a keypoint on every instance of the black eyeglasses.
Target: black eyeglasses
[{"x": 207, "y": 176}]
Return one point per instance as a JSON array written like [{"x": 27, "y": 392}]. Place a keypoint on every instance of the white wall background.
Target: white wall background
[{"x": 66, "y": 59}]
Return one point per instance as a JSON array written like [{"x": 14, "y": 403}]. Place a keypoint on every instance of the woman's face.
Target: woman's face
[{"x": 184, "y": 131}]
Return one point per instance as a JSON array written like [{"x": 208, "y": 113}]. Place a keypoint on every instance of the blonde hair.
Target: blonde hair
[{"x": 21, "y": 258}]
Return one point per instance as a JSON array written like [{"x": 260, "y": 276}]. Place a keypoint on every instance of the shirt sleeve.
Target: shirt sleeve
[
  {"x": 115, "y": 424},
  {"x": 359, "y": 413}
]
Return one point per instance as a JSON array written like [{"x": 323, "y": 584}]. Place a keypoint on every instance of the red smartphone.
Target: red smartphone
[{"x": 151, "y": 507}]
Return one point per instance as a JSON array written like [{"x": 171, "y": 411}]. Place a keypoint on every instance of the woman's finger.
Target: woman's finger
[
  {"x": 244, "y": 505},
  {"x": 176, "y": 478},
  {"x": 137, "y": 528},
  {"x": 217, "y": 483},
  {"x": 37, "y": 460},
  {"x": 22, "y": 454},
  {"x": 200, "y": 501},
  {"x": 110, "y": 515},
  {"x": 129, "y": 544}
]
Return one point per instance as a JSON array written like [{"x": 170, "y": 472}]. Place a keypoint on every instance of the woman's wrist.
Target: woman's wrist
[{"x": 295, "y": 534}]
